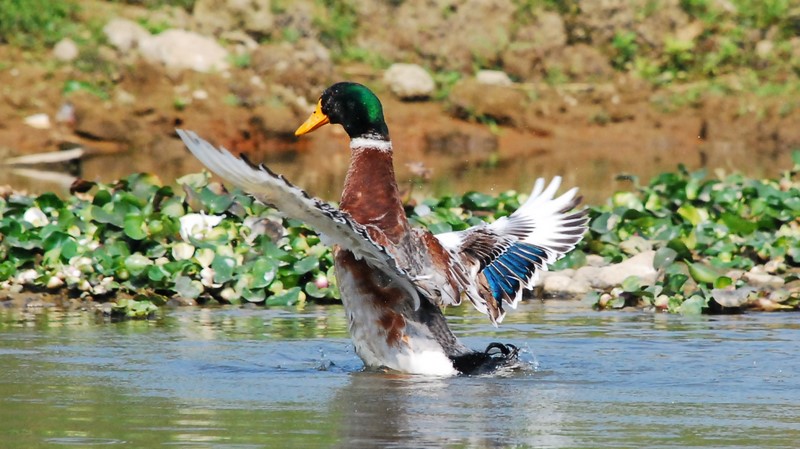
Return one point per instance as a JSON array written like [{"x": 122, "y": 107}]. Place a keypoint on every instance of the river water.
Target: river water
[{"x": 288, "y": 378}]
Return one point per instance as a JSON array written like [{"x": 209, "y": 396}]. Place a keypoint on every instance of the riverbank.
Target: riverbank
[{"x": 687, "y": 242}]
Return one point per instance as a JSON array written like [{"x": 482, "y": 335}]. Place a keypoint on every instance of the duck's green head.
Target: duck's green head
[{"x": 351, "y": 105}]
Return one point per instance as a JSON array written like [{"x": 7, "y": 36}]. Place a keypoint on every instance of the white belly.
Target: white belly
[{"x": 410, "y": 348}]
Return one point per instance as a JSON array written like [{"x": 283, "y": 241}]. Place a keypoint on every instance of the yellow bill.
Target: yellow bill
[{"x": 317, "y": 119}]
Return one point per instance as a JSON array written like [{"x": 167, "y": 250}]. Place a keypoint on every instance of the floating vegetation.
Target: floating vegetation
[{"x": 720, "y": 244}]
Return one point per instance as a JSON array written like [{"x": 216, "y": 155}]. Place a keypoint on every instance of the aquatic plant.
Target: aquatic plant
[
  {"x": 709, "y": 234},
  {"x": 137, "y": 243}
]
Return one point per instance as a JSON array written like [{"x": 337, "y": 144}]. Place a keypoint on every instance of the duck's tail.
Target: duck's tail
[{"x": 496, "y": 358}]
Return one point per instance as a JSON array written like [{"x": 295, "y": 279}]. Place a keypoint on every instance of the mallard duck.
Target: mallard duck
[{"x": 394, "y": 279}]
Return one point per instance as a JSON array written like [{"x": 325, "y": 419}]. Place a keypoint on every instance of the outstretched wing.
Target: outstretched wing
[
  {"x": 505, "y": 257},
  {"x": 333, "y": 225}
]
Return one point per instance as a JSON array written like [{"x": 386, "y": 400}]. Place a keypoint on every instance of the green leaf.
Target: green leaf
[
  {"x": 59, "y": 246},
  {"x": 134, "y": 227},
  {"x": 254, "y": 295},
  {"x": 673, "y": 283},
  {"x": 215, "y": 203},
  {"x": 682, "y": 251},
  {"x": 693, "y": 305},
  {"x": 632, "y": 284},
  {"x": 223, "y": 268},
  {"x": 136, "y": 263},
  {"x": 702, "y": 273},
  {"x": 722, "y": 282},
  {"x": 316, "y": 292},
  {"x": 664, "y": 256},
  {"x": 737, "y": 224},
  {"x": 306, "y": 264},
  {"x": 439, "y": 228},
  {"x": 286, "y": 298},
  {"x": 48, "y": 202},
  {"x": 479, "y": 201},
  {"x": 690, "y": 213},
  {"x": 263, "y": 271},
  {"x": 188, "y": 288},
  {"x": 604, "y": 223},
  {"x": 156, "y": 273},
  {"x": 7, "y": 269}
]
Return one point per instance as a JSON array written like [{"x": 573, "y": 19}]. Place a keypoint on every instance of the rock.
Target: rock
[
  {"x": 493, "y": 77},
  {"x": 764, "y": 48},
  {"x": 409, "y": 81},
  {"x": 275, "y": 120},
  {"x": 640, "y": 265},
  {"x": 473, "y": 145},
  {"x": 532, "y": 44},
  {"x": 635, "y": 245},
  {"x": 600, "y": 21},
  {"x": 504, "y": 104},
  {"x": 65, "y": 50},
  {"x": 689, "y": 32},
  {"x": 562, "y": 283},
  {"x": 732, "y": 297},
  {"x": 216, "y": 16},
  {"x": 124, "y": 35},
  {"x": 185, "y": 50},
  {"x": 179, "y": 301},
  {"x": 304, "y": 66},
  {"x": 38, "y": 121},
  {"x": 763, "y": 280},
  {"x": 445, "y": 32},
  {"x": 595, "y": 260},
  {"x": 581, "y": 62}
]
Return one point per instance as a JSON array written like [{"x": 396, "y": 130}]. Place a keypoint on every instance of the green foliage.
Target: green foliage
[
  {"x": 36, "y": 23},
  {"x": 337, "y": 23},
  {"x": 625, "y": 46},
  {"x": 701, "y": 229},
  {"x": 146, "y": 242},
  {"x": 187, "y": 5}
]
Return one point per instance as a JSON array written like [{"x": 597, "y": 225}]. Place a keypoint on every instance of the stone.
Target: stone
[
  {"x": 409, "y": 81},
  {"x": 185, "y": 50},
  {"x": 275, "y": 120},
  {"x": 640, "y": 265},
  {"x": 124, "y": 35},
  {"x": 305, "y": 66},
  {"x": 38, "y": 121},
  {"x": 217, "y": 16},
  {"x": 763, "y": 280},
  {"x": 533, "y": 44},
  {"x": 446, "y": 34},
  {"x": 504, "y": 104},
  {"x": 581, "y": 62},
  {"x": 66, "y": 50},
  {"x": 493, "y": 77},
  {"x": 764, "y": 48},
  {"x": 561, "y": 283}
]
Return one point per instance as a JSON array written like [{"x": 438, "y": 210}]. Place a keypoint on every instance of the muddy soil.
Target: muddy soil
[{"x": 589, "y": 134}]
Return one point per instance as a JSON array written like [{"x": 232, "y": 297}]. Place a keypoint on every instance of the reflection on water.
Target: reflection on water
[
  {"x": 582, "y": 158},
  {"x": 253, "y": 378}
]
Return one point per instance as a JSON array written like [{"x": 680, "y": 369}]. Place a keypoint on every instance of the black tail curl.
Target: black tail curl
[{"x": 497, "y": 356}]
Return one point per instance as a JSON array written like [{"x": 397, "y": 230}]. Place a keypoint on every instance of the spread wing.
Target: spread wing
[
  {"x": 505, "y": 257},
  {"x": 333, "y": 225}
]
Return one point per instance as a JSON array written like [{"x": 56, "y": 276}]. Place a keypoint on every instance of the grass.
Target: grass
[{"x": 36, "y": 24}]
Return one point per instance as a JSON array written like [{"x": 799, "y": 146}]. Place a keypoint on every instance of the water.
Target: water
[{"x": 286, "y": 378}]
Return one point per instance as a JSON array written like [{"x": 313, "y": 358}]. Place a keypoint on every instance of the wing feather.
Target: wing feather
[
  {"x": 510, "y": 253},
  {"x": 334, "y": 226}
]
